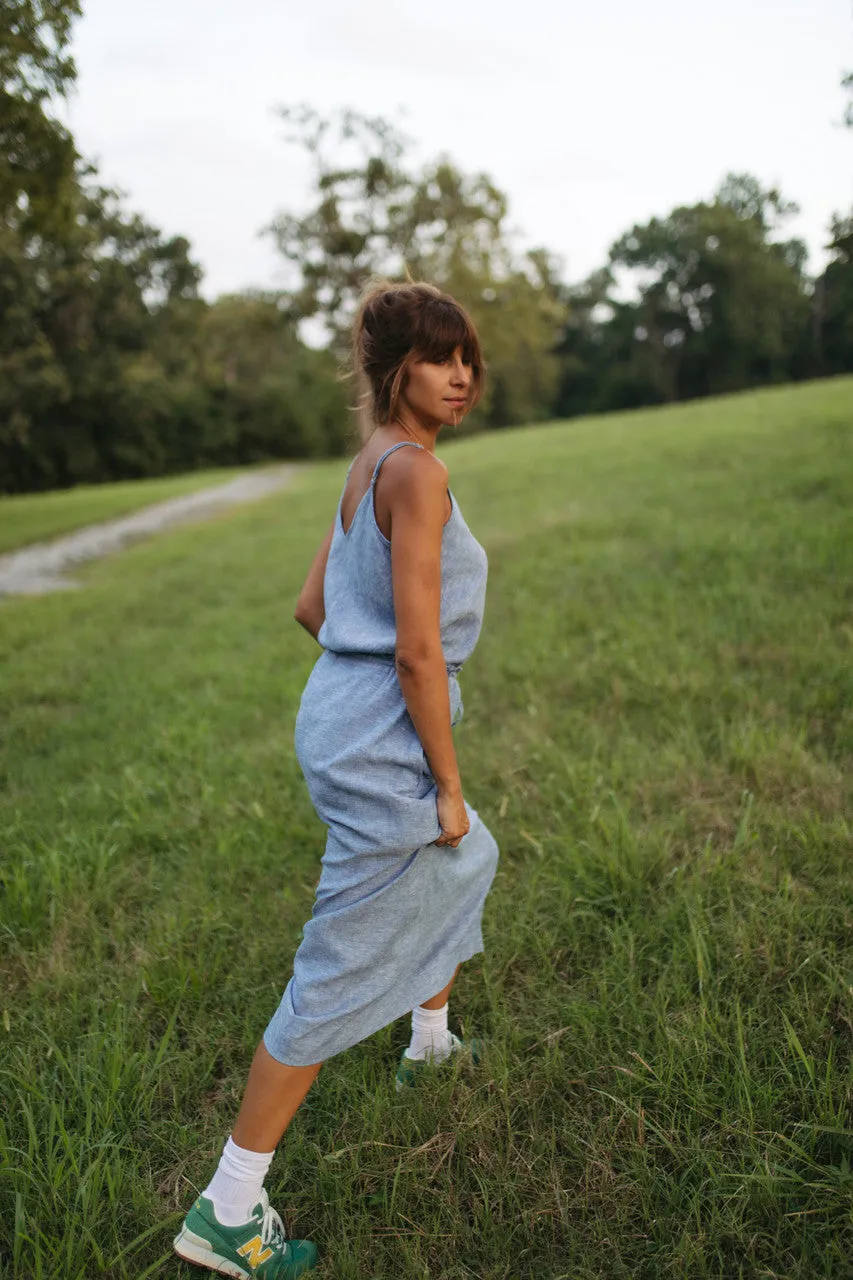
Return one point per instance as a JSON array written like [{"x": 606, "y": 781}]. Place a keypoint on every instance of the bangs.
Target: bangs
[
  {"x": 441, "y": 329},
  {"x": 398, "y": 323}
]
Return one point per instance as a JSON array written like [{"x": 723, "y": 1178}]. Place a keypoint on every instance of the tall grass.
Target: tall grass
[{"x": 658, "y": 728}]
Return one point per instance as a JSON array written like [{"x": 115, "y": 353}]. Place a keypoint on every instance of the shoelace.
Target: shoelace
[{"x": 272, "y": 1227}]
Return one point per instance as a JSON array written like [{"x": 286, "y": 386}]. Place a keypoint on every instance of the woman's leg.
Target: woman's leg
[
  {"x": 227, "y": 1223},
  {"x": 274, "y": 1091},
  {"x": 430, "y": 1034},
  {"x": 435, "y": 1002},
  {"x": 272, "y": 1096}
]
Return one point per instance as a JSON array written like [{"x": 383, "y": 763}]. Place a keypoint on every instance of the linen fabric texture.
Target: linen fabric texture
[{"x": 394, "y": 913}]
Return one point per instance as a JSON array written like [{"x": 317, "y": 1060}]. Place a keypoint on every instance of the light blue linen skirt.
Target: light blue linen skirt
[{"x": 394, "y": 913}]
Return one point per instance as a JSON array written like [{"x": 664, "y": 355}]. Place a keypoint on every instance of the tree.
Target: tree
[
  {"x": 372, "y": 213},
  {"x": 83, "y": 306},
  {"x": 37, "y": 154},
  {"x": 720, "y": 304},
  {"x": 832, "y": 309},
  {"x": 372, "y": 216},
  {"x": 602, "y": 364},
  {"x": 833, "y": 303},
  {"x": 281, "y": 398},
  {"x": 111, "y": 365},
  {"x": 519, "y": 317}
]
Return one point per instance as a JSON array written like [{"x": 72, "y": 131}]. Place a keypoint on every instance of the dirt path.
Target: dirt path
[{"x": 40, "y": 567}]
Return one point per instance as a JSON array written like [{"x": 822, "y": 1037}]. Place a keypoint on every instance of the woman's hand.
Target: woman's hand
[{"x": 452, "y": 817}]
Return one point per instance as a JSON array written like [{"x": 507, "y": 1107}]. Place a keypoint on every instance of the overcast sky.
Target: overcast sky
[{"x": 591, "y": 116}]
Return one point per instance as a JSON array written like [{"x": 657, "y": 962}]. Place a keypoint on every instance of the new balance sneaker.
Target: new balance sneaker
[
  {"x": 257, "y": 1248},
  {"x": 410, "y": 1069}
]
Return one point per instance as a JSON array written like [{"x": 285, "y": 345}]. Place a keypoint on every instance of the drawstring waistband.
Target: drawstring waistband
[{"x": 453, "y": 668}]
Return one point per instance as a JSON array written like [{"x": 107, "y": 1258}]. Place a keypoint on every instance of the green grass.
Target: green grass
[
  {"x": 658, "y": 729},
  {"x": 31, "y": 517}
]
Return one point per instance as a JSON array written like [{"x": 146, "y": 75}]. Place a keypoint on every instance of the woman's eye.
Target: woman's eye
[{"x": 446, "y": 360}]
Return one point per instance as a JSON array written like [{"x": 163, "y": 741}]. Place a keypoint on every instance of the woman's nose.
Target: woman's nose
[{"x": 460, "y": 375}]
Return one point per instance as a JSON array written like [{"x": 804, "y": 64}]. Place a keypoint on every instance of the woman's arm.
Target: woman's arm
[
  {"x": 310, "y": 611},
  {"x": 415, "y": 491}
]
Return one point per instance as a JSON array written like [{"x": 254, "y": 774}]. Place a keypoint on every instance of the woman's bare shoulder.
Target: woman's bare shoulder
[
  {"x": 417, "y": 482},
  {"x": 417, "y": 464}
]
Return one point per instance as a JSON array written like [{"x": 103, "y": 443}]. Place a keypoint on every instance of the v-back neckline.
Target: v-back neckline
[
  {"x": 359, "y": 505},
  {"x": 345, "y": 533}
]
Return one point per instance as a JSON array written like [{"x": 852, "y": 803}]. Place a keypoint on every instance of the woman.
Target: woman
[{"x": 395, "y": 596}]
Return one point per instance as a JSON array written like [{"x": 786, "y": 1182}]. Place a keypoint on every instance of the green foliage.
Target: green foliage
[
  {"x": 519, "y": 317},
  {"x": 720, "y": 304},
  {"x": 104, "y": 366},
  {"x": 372, "y": 214},
  {"x": 833, "y": 303},
  {"x": 37, "y": 154},
  {"x": 284, "y": 397},
  {"x": 86, "y": 305},
  {"x": 658, "y": 730},
  {"x": 112, "y": 365}
]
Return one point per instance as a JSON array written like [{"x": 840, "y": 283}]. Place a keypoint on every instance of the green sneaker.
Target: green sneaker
[
  {"x": 256, "y": 1248},
  {"x": 409, "y": 1070}
]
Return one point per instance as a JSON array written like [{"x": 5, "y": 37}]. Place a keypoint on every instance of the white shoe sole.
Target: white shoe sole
[{"x": 193, "y": 1248}]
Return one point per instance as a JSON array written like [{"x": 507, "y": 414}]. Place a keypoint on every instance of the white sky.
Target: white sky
[{"x": 591, "y": 116}]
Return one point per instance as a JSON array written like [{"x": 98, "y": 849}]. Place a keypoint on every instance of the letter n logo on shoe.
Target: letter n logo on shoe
[{"x": 254, "y": 1252}]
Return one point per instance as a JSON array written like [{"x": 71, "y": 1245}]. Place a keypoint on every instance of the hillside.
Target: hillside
[{"x": 658, "y": 728}]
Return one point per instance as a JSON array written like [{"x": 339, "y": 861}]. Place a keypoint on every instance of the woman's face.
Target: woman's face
[{"x": 436, "y": 392}]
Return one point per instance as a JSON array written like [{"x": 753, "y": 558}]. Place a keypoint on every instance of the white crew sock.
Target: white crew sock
[
  {"x": 430, "y": 1036},
  {"x": 235, "y": 1188}
]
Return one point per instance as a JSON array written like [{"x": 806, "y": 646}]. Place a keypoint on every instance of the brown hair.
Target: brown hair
[{"x": 396, "y": 323}]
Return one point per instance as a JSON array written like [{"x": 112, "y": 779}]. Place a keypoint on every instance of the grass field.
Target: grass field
[
  {"x": 658, "y": 729},
  {"x": 33, "y": 517}
]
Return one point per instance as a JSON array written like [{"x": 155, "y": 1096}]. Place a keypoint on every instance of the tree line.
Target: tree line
[{"x": 113, "y": 366}]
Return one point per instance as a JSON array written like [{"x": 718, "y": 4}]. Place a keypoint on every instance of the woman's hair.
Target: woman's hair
[{"x": 396, "y": 323}]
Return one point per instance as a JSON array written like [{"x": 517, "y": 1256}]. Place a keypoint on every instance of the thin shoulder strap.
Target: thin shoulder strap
[{"x": 398, "y": 445}]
